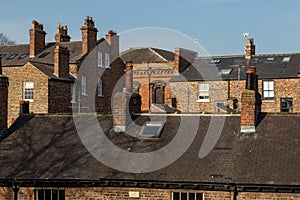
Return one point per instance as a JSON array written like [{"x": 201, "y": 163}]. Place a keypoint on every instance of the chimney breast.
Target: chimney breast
[
  {"x": 113, "y": 40},
  {"x": 129, "y": 77},
  {"x": 182, "y": 58},
  {"x": 37, "y": 38},
  {"x": 89, "y": 35},
  {"x": 61, "y": 62},
  {"x": 62, "y": 34},
  {"x": 120, "y": 111}
]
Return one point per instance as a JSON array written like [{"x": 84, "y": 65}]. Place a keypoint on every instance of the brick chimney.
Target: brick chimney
[
  {"x": 182, "y": 58},
  {"x": 129, "y": 77},
  {"x": 37, "y": 38},
  {"x": 120, "y": 111},
  {"x": 62, "y": 34},
  {"x": 249, "y": 48},
  {"x": 3, "y": 100},
  {"x": 113, "y": 40},
  {"x": 89, "y": 35},
  {"x": 251, "y": 102},
  {"x": 61, "y": 62}
]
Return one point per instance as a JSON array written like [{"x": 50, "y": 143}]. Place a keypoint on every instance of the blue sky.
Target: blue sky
[{"x": 218, "y": 25}]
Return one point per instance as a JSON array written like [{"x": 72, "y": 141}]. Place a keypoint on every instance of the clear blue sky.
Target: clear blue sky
[{"x": 217, "y": 24}]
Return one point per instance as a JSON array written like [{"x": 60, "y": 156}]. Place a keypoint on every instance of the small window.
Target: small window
[
  {"x": 83, "y": 85},
  {"x": 286, "y": 59},
  {"x": 107, "y": 59},
  {"x": 28, "y": 90},
  {"x": 286, "y": 105},
  {"x": 225, "y": 71},
  {"x": 203, "y": 92},
  {"x": 270, "y": 59},
  {"x": 2, "y": 55},
  {"x": 255, "y": 60},
  {"x": 12, "y": 56},
  {"x": 100, "y": 88},
  {"x": 100, "y": 60},
  {"x": 268, "y": 90},
  {"x": 49, "y": 194},
  {"x": 24, "y": 55},
  {"x": 187, "y": 196},
  {"x": 215, "y": 61},
  {"x": 73, "y": 93},
  {"x": 43, "y": 55},
  {"x": 152, "y": 129},
  {"x": 71, "y": 52}
]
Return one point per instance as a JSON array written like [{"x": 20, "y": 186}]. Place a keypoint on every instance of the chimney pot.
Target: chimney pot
[{"x": 89, "y": 35}]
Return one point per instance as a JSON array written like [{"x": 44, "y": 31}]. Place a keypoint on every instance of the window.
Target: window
[
  {"x": 83, "y": 85},
  {"x": 203, "y": 92},
  {"x": 286, "y": 59},
  {"x": 187, "y": 196},
  {"x": 270, "y": 59},
  {"x": 152, "y": 129},
  {"x": 2, "y": 55},
  {"x": 225, "y": 71},
  {"x": 100, "y": 61},
  {"x": 215, "y": 61},
  {"x": 286, "y": 105},
  {"x": 71, "y": 52},
  {"x": 73, "y": 93},
  {"x": 23, "y": 55},
  {"x": 43, "y": 55},
  {"x": 12, "y": 56},
  {"x": 28, "y": 88},
  {"x": 107, "y": 60},
  {"x": 268, "y": 90},
  {"x": 49, "y": 194},
  {"x": 100, "y": 88}
]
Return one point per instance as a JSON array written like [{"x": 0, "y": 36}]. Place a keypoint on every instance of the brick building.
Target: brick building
[
  {"x": 152, "y": 70},
  {"x": 51, "y": 162},
  {"x": 44, "y": 73},
  {"x": 215, "y": 84}
]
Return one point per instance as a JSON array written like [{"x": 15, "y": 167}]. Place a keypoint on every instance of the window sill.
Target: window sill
[
  {"x": 203, "y": 101},
  {"x": 84, "y": 95},
  {"x": 73, "y": 102},
  {"x": 101, "y": 96},
  {"x": 268, "y": 101},
  {"x": 30, "y": 100},
  {"x": 100, "y": 66}
]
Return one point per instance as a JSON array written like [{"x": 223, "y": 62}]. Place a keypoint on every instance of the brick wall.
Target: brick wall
[
  {"x": 59, "y": 96},
  {"x": 3, "y": 100},
  {"x": 17, "y": 76}
]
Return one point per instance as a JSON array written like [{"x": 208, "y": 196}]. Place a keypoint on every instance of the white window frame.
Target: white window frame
[
  {"x": 100, "y": 59},
  {"x": 73, "y": 93},
  {"x": 100, "y": 87},
  {"x": 203, "y": 92},
  {"x": 106, "y": 64},
  {"x": 28, "y": 85},
  {"x": 83, "y": 86},
  {"x": 268, "y": 90}
]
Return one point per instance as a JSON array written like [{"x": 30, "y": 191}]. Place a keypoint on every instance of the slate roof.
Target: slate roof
[
  {"x": 209, "y": 68},
  {"x": 48, "y": 147},
  {"x": 144, "y": 55}
]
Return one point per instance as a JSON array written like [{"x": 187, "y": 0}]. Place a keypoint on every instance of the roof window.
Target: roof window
[
  {"x": 215, "y": 61},
  {"x": 12, "y": 56},
  {"x": 270, "y": 59},
  {"x": 286, "y": 59},
  {"x": 2, "y": 55},
  {"x": 23, "y": 55},
  {"x": 225, "y": 71},
  {"x": 43, "y": 55},
  {"x": 152, "y": 129}
]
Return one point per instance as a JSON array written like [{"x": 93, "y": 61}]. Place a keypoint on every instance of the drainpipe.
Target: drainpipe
[{"x": 16, "y": 190}]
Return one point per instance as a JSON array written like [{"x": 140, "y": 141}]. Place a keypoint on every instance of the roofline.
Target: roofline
[{"x": 131, "y": 183}]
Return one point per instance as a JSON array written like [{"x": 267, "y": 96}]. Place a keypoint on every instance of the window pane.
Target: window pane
[
  {"x": 47, "y": 194},
  {"x": 176, "y": 196},
  {"x": 100, "y": 59},
  {"x": 191, "y": 196},
  {"x": 40, "y": 194},
  {"x": 199, "y": 196},
  {"x": 271, "y": 94},
  {"x": 54, "y": 195},
  {"x": 183, "y": 196},
  {"x": 61, "y": 195}
]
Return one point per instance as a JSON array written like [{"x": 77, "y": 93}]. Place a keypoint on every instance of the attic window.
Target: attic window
[
  {"x": 286, "y": 59},
  {"x": 255, "y": 60},
  {"x": 71, "y": 52},
  {"x": 152, "y": 129},
  {"x": 269, "y": 60},
  {"x": 225, "y": 71},
  {"x": 23, "y": 55},
  {"x": 2, "y": 55},
  {"x": 215, "y": 61},
  {"x": 12, "y": 56},
  {"x": 43, "y": 55}
]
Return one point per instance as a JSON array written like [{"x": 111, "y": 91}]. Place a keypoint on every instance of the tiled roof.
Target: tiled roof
[
  {"x": 144, "y": 55},
  {"x": 48, "y": 147},
  {"x": 268, "y": 66}
]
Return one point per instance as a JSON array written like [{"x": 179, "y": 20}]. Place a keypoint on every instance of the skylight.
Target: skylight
[
  {"x": 152, "y": 129},
  {"x": 12, "y": 56},
  {"x": 225, "y": 71},
  {"x": 270, "y": 59},
  {"x": 71, "y": 52},
  {"x": 215, "y": 61},
  {"x": 2, "y": 55},
  {"x": 23, "y": 55},
  {"x": 286, "y": 59},
  {"x": 43, "y": 55}
]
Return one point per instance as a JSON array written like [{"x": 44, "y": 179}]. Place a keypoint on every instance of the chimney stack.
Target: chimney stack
[
  {"x": 113, "y": 40},
  {"x": 37, "y": 38},
  {"x": 120, "y": 111},
  {"x": 89, "y": 35},
  {"x": 251, "y": 102},
  {"x": 61, "y": 62},
  {"x": 62, "y": 34},
  {"x": 3, "y": 100},
  {"x": 182, "y": 58},
  {"x": 249, "y": 48},
  {"x": 129, "y": 77}
]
